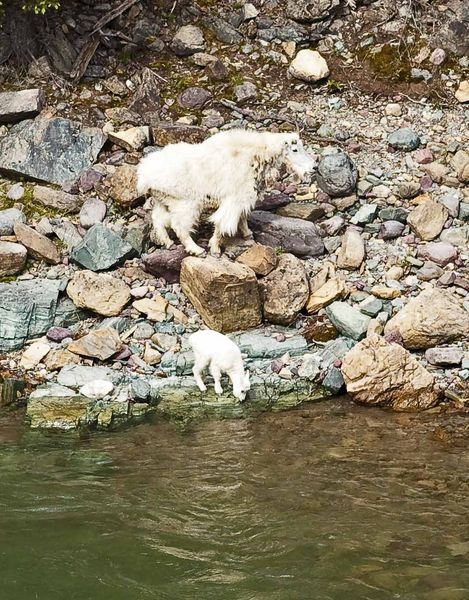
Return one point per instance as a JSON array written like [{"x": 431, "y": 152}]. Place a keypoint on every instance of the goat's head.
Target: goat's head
[
  {"x": 296, "y": 159},
  {"x": 242, "y": 387}
]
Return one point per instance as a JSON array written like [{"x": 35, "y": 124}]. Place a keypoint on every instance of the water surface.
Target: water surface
[{"x": 330, "y": 502}]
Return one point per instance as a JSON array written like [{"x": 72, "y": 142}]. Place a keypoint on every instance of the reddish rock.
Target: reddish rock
[{"x": 165, "y": 263}]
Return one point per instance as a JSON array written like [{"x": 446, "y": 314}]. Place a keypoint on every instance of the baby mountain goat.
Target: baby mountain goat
[
  {"x": 222, "y": 174},
  {"x": 221, "y": 355}
]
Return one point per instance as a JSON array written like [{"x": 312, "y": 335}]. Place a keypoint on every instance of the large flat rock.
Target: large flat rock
[
  {"x": 101, "y": 249},
  {"x": 52, "y": 150},
  {"x": 27, "y": 310},
  {"x": 16, "y": 106}
]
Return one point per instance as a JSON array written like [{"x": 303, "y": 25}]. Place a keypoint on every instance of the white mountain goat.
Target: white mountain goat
[
  {"x": 224, "y": 173},
  {"x": 221, "y": 355}
]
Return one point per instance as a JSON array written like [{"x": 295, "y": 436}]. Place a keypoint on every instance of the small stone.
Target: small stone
[
  {"x": 16, "y": 192},
  {"x": 57, "y": 199},
  {"x": 101, "y": 293},
  {"x": 329, "y": 292},
  {"x": 102, "y": 344},
  {"x": 261, "y": 259},
  {"x": 97, "y": 389},
  {"x": 365, "y": 214},
  {"x": 348, "y": 320},
  {"x": 393, "y": 214},
  {"x": 151, "y": 356},
  {"x": 334, "y": 380},
  {"x": 133, "y": 139},
  {"x": 165, "y": 341},
  {"x": 194, "y": 97},
  {"x": 38, "y": 245},
  {"x": 245, "y": 92},
  {"x": 57, "y": 334},
  {"x": 394, "y": 273},
  {"x": 337, "y": 175},
  {"x": 408, "y": 189},
  {"x": 451, "y": 201},
  {"x": 139, "y": 292},
  {"x": 427, "y": 219},
  {"x": 457, "y": 236},
  {"x": 319, "y": 329},
  {"x": 444, "y": 356},
  {"x": 436, "y": 171},
  {"x": 56, "y": 359},
  {"x": 154, "y": 308},
  {"x": 429, "y": 271},
  {"x": 8, "y": 218},
  {"x": 404, "y": 139},
  {"x": 440, "y": 253},
  {"x": 187, "y": 41},
  {"x": 101, "y": 249},
  {"x": 93, "y": 211},
  {"x": 460, "y": 162},
  {"x": 144, "y": 331},
  {"x": 21, "y": 105},
  {"x": 390, "y": 230},
  {"x": 438, "y": 56},
  {"x": 12, "y": 258},
  {"x": 122, "y": 185},
  {"x": 140, "y": 389},
  {"x": 371, "y": 306},
  {"x": 352, "y": 250},
  {"x": 462, "y": 93},
  {"x": 309, "y": 65},
  {"x": 393, "y": 110},
  {"x": 384, "y": 292},
  {"x": 34, "y": 355},
  {"x": 423, "y": 156}
]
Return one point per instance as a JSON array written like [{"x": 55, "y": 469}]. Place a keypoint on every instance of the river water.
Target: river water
[{"x": 329, "y": 502}]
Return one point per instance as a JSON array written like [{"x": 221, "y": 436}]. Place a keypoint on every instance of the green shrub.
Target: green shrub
[{"x": 37, "y": 6}]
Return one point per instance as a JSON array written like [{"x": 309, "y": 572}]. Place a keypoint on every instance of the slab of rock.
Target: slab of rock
[
  {"x": 349, "y": 321},
  {"x": 261, "y": 259},
  {"x": 440, "y": 253},
  {"x": 27, "y": 310},
  {"x": 382, "y": 374},
  {"x": 53, "y": 150},
  {"x": 154, "y": 308},
  {"x": 102, "y": 344},
  {"x": 8, "y": 218},
  {"x": 93, "y": 211},
  {"x": 133, "y": 139},
  {"x": 101, "y": 293},
  {"x": 327, "y": 293},
  {"x": 33, "y": 355},
  {"x": 57, "y": 199},
  {"x": 462, "y": 93},
  {"x": 122, "y": 185},
  {"x": 427, "y": 219},
  {"x": 75, "y": 376},
  {"x": 273, "y": 201},
  {"x": 56, "y": 359},
  {"x": 404, "y": 139},
  {"x": 172, "y": 133},
  {"x": 188, "y": 40},
  {"x": 285, "y": 291},
  {"x": 294, "y": 236},
  {"x": 17, "y": 106},
  {"x": 38, "y": 245},
  {"x": 390, "y": 230},
  {"x": 337, "y": 175},
  {"x": 434, "y": 317},
  {"x": 302, "y": 210},
  {"x": 442, "y": 357},
  {"x": 101, "y": 249},
  {"x": 67, "y": 232},
  {"x": 53, "y": 406},
  {"x": 147, "y": 97},
  {"x": 165, "y": 263},
  {"x": 309, "y": 65},
  {"x": 225, "y": 294},
  {"x": 352, "y": 250},
  {"x": 12, "y": 258},
  {"x": 307, "y": 11}
]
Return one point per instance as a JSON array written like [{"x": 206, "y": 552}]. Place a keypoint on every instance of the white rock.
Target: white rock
[
  {"x": 97, "y": 389},
  {"x": 33, "y": 355},
  {"x": 462, "y": 93},
  {"x": 393, "y": 110},
  {"x": 309, "y": 65}
]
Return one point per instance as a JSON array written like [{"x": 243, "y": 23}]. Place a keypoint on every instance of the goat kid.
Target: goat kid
[
  {"x": 221, "y": 355},
  {"x": 223, "y": 175}
]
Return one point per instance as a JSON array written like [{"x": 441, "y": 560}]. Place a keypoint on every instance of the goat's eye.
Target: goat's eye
[{"x": 295, "y": 149}]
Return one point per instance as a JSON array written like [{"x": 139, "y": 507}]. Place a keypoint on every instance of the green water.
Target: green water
[{"x": 331, "y": 502}]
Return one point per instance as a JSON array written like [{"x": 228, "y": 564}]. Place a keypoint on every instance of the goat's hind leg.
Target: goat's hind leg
[
  {"x": 216, "y": 374},
  {"x": 184, "y": 218},
  {"x": 199, "y": 366},
  {"x": 244, "y": 230},
  {"x": 160, "y": 218}
]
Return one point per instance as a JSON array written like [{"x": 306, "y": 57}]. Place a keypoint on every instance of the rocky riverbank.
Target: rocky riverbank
[{"x": 356, "y": 281}]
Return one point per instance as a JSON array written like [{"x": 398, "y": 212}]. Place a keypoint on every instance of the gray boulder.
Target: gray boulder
[
  {"x": 337, "y": 175},
  {"x": 101, "y": 249},
  {"x": 27, "y": 310},
  {"x": 16, "y": 106},
  {"x": 348, "y": 320},
  {"x": 8, "y": 218},
  {"x": 296, "y": 236},
  {"x": 52, "y": 150},
  {"x": 404, "y": 139}
]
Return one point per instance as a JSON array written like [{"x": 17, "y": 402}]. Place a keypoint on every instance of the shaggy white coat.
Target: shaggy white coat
[
  {"x": 223, "y": 174},
  {"x": 221, "y": 355}
]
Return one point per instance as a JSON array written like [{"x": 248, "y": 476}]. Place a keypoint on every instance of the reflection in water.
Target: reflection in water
[{"x": 329, "y": 502}]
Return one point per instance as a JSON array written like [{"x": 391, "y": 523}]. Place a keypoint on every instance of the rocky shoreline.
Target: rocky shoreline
[{"x": 357, "y": 281}]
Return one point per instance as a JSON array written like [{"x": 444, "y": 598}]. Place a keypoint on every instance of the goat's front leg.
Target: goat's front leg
[
  {"x": 215, "y": 242},
  {"x": 197, "y": 371},
  {"x": 216, "y": 374}
]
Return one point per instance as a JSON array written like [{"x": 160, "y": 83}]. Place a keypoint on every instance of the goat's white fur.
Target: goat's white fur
[
  {"x": 221, "y": 355},
  {"x": 223, "y": 174}
]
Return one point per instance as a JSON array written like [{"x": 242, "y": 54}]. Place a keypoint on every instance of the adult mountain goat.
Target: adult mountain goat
[{"x": 223, "y": 173}]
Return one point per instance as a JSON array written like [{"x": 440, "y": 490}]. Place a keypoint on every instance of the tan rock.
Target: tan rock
[
  {"x": 154, "y": 308},
  {"x": 318, "y": 280},
  {"x": 395, "y": 273},
  {"x": 261, "y": 259},
  {"x": 131, "y": 139},
  {"x": 285, "y": 291},
  {"x": 383, "y": 374},
  {"x": 57, "y": 199},
  {"x": 436, "y": 170},
  {"x": 56, "y": 359},
  {"x": 101, "y": 343},
  {"x": 330, "y": 291},
  {"x": 434, "y": 317},
  {"x": 225, "y": 294},
  {"x": 101, "y": 293},
  {"x": 428, "y": 219},
  {"x": 352, "y": 251},
  {"x": 123, "y": 185},
  {"x": 33, "y": 355},
  {"x": 309, "y": 65},
  {"x": 151, "y": 356},
  {"x": 12, "y": 258},
  {"x": 387, "y": 293},
  {"x": 462, "y": 93},
  {"x": 460, "y": 163},
  {"x": 37, "y": 244}
]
